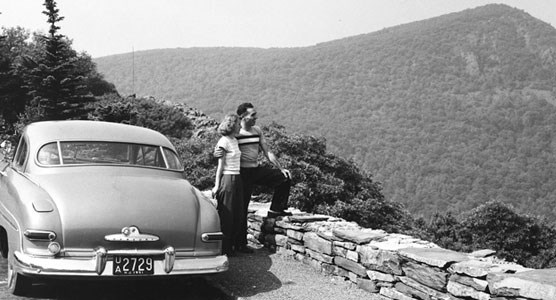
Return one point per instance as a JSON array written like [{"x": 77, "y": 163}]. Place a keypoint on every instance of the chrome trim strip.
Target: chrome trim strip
[
  {"x": 212, "y": 236},
  {"x": 131, "y": 234},
  {"x": 123, "y": 238},
  {"x": 49, "y": 235},
  {"x": 135, "y": 252},
  {"x": 59, "y": 146},
  {"x": 33, "y": 265}
]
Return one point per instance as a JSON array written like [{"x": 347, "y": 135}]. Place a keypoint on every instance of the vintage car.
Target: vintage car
[{"x": 87, "y": 199}]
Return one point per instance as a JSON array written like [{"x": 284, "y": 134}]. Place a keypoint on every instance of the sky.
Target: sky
[{"x": 106, "y": 27}]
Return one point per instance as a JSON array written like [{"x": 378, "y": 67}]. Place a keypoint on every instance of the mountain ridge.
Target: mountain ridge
[{"x": 447, "y": 113}]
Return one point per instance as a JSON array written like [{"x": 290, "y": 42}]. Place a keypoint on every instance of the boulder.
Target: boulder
[
  {"x": 436, "y": 257},
  {"x": 319, "y": 256},
  {"x": 394, "y": 294},
  {"x": 407, "y": 290},
  {"x": 379, "y": 260},
  {"x": 328, "y": 235},
  {"x": 434, "y": 294},
  {"x": 379, "y": 276},
  {"x": 367, "y": 285},
  {"x": 352, "y": 255},
  {"x": 316, "y": 243},
  {"x": 361, "y": 236},
  {"x": 351, "y": 266},
  {"x": 473, "y": 268},
  {"x": 433, "y": 277},
  {"x": 339, "y": 251},
  {"x": 396, "y": 242},
  {"x": 480, "y": 269},
  {"x": 297, "y": 248},
  {"x": 346, "y": 245},
  {"x": 482, "y": 253},
  {"x": 460, "y": 290},
  {"x": 287, "y": 225},
  {"x": 307, "y": 218},
  {"x": 294, "y": 234},
  {"x": 477, "y": 284},
  {"x": 535, "y": 284}
]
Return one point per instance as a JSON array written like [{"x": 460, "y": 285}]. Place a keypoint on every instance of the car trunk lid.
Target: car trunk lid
[{"x": 95, "y": 206}]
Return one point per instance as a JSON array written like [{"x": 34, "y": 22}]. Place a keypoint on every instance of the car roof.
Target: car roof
[{"x": 40, "y": 133}]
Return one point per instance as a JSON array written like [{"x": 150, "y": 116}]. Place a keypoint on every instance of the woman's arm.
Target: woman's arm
[{"x": 218, "y": 175}]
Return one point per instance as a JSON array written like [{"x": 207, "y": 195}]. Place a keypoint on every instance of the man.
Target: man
[{"x": 251, "y": 141}]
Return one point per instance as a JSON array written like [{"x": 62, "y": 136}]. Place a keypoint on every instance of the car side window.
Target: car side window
[
  {"x": 172, "y": 159},
  {"x": 48, "y": 155},
  {"x": 149, "y": 156},
  {"x": 21, "y": 154}
]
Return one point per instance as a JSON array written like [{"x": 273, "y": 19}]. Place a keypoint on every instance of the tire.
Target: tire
[{"x": 18, "y": 284}]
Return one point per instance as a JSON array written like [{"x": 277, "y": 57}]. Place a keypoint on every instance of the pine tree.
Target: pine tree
[
  {"x": 12, "y": 95},
  {"x": 55, "y": 80}
]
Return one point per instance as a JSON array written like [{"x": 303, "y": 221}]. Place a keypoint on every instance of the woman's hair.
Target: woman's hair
[{"x": 227, "y": 125}]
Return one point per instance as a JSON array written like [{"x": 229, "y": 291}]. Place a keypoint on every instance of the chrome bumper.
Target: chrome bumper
[{"x": 101, "y": 264}]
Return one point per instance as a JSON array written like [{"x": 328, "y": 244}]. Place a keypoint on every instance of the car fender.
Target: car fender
[
  {"x": 25, "y": 205},
  {"x": 209, "y": 220}
]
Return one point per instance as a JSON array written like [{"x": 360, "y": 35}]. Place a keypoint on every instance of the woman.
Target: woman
[{"x": 228, "y": 187}]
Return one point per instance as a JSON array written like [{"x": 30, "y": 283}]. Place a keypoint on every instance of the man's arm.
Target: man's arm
[
  {"x": 271, "y": 157},
  {"x": 219, "y": 152}
]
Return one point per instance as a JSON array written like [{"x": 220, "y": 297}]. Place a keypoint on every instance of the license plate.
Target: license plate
[{"x": 133, "y": 265}]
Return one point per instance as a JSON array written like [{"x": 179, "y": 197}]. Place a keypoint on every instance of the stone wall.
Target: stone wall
[{"x": 396, "y": 266}]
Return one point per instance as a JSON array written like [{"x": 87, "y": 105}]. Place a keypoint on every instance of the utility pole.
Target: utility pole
[{"x": 133, "y": 71}]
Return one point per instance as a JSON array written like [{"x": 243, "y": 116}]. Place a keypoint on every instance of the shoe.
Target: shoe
[
  {"x": 244, "y": 249},
  {"x": 274, "y": 214}
]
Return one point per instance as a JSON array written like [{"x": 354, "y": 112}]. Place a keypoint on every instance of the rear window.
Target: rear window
[{"x": 92, "y": 153}]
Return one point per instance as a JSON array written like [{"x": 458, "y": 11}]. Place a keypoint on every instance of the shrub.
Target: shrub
[
  {"x": 197, "y": 156},
  {"x": 144, "y": 112},
  {"x": 373, "y": 213},
  {"x": 328, "y": 184},
  {"x": 530, "y": 241},
  {"x": 515, "y": 237},
  {"x": 443, "y": 229}
]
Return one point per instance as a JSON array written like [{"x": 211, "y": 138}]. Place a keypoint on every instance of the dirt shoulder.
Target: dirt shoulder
[{"x": 267, "y": 275}]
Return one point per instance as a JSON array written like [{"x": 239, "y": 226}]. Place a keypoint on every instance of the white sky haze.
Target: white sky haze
[{"x": 106, "y": 27}]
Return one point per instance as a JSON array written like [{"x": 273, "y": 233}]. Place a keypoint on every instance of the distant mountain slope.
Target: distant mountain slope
[{"x": 447, "y": 113}]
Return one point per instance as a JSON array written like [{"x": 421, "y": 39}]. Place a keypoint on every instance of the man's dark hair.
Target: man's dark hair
[{"x": 242, "y": 109}]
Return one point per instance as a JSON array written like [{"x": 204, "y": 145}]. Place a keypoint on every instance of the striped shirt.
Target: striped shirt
[
  {"x": 249, "y": 144},
  {"x": 231, "y": 160}
]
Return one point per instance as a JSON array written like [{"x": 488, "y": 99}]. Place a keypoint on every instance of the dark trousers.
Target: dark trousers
[
  {"x": 230, "y": 209},
  {"x": 268, "y": 177}
]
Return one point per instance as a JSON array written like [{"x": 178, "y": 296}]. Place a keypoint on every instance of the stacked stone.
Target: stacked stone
[{"x": 396, "y": 266}]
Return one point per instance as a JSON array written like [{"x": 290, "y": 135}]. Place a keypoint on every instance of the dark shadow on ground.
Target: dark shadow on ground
[
  {"x": 197, "y": 288},
  {"x": 249, "y": 275}
]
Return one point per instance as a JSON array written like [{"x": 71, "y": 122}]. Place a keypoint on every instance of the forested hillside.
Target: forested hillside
[{"x": 447, "y": 113}]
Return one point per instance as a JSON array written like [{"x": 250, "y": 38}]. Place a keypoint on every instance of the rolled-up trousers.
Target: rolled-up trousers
[{"x": 268, "y": 177}]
